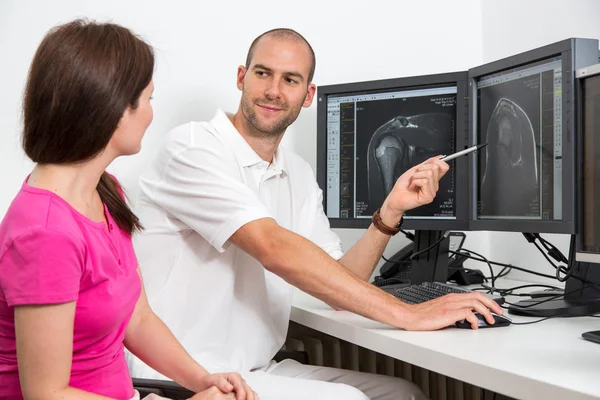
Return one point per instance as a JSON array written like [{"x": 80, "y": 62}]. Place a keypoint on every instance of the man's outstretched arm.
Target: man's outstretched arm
[
  {"x": 304, "y": 265},
  {"x": 416, "y": 187}
]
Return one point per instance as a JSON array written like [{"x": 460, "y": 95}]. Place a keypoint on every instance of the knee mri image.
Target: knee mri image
[
  {"x": 509, "y": 176},
  {"x": 397, "y": 134}
]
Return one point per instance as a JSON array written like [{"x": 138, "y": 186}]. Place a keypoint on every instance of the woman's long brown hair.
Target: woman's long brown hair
[{"x": 82, "y": 78}]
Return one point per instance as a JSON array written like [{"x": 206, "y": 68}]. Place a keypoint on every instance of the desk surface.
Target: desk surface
[{"x": 547, "y": 360}]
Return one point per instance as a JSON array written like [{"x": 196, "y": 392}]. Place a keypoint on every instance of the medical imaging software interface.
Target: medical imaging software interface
[
  {"x": 374, "y": 137},
  {"x": 519, "y": 116}
]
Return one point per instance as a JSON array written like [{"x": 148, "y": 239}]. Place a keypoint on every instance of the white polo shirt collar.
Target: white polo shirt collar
[{"x": 245, "y": 153}]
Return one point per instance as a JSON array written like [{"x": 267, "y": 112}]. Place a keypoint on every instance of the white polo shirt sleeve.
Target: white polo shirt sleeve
[{"x": 202, "y": 186}]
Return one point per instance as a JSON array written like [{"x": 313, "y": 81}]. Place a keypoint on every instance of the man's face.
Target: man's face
[{"x": 275, "y": 87}]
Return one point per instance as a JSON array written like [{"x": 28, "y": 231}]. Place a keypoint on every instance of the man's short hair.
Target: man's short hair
[{"x": 288, "y": 34}]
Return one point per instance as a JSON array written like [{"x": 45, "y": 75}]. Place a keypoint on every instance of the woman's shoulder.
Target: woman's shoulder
[{"x": 34, "y": 211}]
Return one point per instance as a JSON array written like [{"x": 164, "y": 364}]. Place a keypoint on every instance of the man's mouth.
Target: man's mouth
[{"x": 269, "y": 107}]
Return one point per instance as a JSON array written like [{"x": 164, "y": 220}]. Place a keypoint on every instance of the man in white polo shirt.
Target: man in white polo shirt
[{"x": 234, "y": 221}]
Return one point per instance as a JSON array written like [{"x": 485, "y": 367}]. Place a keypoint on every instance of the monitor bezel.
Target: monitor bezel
[
  {"x": 458, "y": 79},
  {"x": 574, "y": 53}
]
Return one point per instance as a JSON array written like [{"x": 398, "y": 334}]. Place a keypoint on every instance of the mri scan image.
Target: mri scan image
[
  {"x": 401, "y": 143},
  {"x": 395, "y": 135},
  {"x": 392, "y": 136},
  {"x": 510, "y": 179}
]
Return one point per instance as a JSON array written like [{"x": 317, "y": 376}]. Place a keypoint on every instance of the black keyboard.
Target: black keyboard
[{"x": 415, "y": 294}]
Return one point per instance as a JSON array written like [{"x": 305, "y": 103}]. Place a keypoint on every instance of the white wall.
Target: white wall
[
  {"x": 200, "y": 44},
  {"x": 514, "y": 26}
]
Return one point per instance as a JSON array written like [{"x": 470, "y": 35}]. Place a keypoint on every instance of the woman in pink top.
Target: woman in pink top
[{"x": 71, "y": 296}]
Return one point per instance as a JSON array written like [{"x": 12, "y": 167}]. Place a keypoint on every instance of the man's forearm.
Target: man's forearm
[
  {"x": 304, "y": 265},
  {"x": 362, "y": 258},
  {"x": 153, "y": 343}
]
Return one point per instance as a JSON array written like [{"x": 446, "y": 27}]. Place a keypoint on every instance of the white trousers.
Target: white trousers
[
  {"x": 290, "y": 380},
  {"x": 294, "y": 381}
]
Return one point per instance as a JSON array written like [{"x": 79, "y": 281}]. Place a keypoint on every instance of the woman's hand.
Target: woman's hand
[
  {"x": 228, "y": 384},
  {"x": 213, "y": 394}
]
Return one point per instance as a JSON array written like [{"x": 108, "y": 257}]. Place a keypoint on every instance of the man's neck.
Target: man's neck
[{"x": 263, "y": 145}]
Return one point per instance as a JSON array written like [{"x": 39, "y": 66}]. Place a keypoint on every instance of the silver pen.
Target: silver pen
[{"x": 462, "y": 152}]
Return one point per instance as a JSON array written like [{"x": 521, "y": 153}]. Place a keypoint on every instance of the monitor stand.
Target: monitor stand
[
  {"x": 431, "y": 265},
  {"x": 580, "y": 298}
]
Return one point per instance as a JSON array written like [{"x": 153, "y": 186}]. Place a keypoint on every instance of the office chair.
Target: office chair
[{"x": 162, "y": 388}]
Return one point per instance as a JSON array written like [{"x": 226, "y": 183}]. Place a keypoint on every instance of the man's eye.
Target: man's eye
[
  {"x": 261, "y": 73},
  {"x": 290, "y": 80}
]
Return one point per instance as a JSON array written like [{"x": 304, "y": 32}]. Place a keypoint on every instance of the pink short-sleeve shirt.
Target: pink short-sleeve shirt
[{"x": 50, "y": 254}]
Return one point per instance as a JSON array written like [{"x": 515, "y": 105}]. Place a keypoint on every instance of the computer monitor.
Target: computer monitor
[
  {"x": 370, "y": 133},
  {"x": 536, "y": 173},
  {"x": 582, "y": 289},
  {"x": 523, "y": 107}
]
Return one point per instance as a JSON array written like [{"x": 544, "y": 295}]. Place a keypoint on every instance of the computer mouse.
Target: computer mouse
[{"x": 500, "y": 320}]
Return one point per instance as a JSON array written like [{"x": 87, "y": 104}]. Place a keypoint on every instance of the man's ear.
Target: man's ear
[
  {"x": 241, "y": 73},
  {"x": 310, "y": 94}
]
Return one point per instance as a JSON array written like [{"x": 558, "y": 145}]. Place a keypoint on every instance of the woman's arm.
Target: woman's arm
[
  {"x": 151, "y": 341},
  {"x": 44, "y": 336}
]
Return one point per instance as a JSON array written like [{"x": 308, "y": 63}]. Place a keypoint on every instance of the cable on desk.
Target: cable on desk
[
  {"x": 502, "y": 273},
  {"x": 509, "y": 291},
  {"x": 557, "y": 255},
  {"x": 425, "y": 250},
  {"x": 568, "y": 271},
  {"x": 531, "y": 322},
  {"x": 407, "y": 262},
  {"x": 511, "y": 267},
  {"x": 557, "y": 297},
  {"x": 486, "y": 261},
  {"x": 505, "y": 265},
  {"x": 595, "y": 285},
  {"x": 553, "y": 251},
  {"x": 408, "y": 235},
  {"x": 559, "y": 268},
  {"x": 570, "y": 268},
  {"x": 557, "y": 276},
  {"x": 545, "y": 318}
]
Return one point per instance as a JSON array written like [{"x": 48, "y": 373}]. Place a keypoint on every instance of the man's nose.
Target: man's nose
[{"x": 273, "y": 91}]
